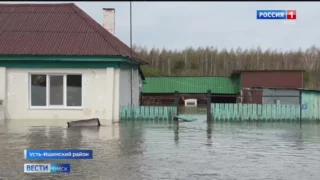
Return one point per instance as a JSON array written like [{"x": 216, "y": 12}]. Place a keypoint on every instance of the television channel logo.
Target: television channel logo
[
  {"x": 47, "y": 168},
  {"x": 277, "y": 14}
]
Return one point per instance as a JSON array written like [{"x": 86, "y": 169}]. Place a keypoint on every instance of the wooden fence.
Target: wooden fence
[
  {"x": 165, "y": 113},
  {"x": 227, "y": 112},
  {"x": 245, "y": 112}
]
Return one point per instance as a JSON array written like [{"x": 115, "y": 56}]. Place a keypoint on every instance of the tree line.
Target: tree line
[{"x": 209, "y": 61}]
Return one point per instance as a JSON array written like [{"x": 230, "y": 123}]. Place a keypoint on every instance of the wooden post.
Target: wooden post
[
  {"x": 209, "y": 106},
  {"x": 140, "y": 99},
  {"x": 176, "y": 101}
]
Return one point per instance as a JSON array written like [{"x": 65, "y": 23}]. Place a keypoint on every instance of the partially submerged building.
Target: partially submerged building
[
  {"x": 161, "y": 90},
  {"x": 243, "y": 86},
  {"x": 269, "y": 86},
  {"x": 56, "y": 62}
]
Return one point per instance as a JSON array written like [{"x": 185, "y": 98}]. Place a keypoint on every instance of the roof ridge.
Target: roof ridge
[
  {"x": 94, "y": 24},
  {"x": 48, "y": 31},
  {"x": 33, "y": 4}
]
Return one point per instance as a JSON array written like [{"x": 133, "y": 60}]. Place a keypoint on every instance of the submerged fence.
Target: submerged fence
[
  {"x": 254, "y": 112},
  {"x": 147, "y": 113},
  {"x": 228, "y": 112}
]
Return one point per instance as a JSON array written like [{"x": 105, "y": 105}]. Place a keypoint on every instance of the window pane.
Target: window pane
[
  {"x": 74, "y": 94},
  {"x": 56, "y": 90},
  {"x": 38, "y": 90}
]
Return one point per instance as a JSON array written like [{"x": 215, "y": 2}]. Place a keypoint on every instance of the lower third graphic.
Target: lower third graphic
[{"x": 47, "y": 168}]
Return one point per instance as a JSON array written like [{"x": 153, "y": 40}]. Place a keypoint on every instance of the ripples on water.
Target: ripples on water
[{"x": 162, "y": 150}]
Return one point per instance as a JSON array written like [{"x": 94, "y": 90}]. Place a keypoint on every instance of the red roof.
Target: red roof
[
  {"x": 238, "y": 72},
  {"x": 55, "y": 29}
]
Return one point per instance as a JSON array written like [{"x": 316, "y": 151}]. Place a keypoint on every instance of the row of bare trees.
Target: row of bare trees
[{"x": 210, "y": 61}]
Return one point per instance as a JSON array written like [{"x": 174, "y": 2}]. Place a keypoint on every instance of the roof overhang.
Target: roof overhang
[
  {"x": 64, "y": 61},
  {"x": 286, "y": 88},
  {"x": 73, "y": 58}
]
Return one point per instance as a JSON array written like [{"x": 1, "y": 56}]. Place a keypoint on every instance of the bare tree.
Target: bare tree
[{"x": 210, "y": 61}]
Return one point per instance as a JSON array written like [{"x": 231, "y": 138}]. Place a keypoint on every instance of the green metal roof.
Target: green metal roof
[{"x": 218, "y": 85}]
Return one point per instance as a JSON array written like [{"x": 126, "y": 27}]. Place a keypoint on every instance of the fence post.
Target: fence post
[
  {"x": 140, "y": 99},
  {"x": 176, "y": 101},
  {"x": 209, "y": 106},
  {"x": 300, "y": 102}
]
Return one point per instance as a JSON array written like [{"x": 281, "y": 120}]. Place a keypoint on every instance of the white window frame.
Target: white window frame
[
  {"x": 48, "y": 106},
  {"x": 194, "y": 101}
]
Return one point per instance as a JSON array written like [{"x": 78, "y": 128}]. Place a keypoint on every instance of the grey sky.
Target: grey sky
[{"x": 177, "y": 25}]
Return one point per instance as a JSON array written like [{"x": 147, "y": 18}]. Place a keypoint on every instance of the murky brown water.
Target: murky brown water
[{"x": 160, "y": 150}]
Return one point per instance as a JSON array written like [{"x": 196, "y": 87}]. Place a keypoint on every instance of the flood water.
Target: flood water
[{"x": 160, "y": 150}]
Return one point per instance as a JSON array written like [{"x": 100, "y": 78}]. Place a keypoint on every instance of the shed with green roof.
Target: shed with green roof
[{"x": 156, "y": 88}]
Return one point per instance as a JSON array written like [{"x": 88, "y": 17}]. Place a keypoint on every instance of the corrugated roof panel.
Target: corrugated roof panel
[
  {"x": 60, "y": 43},
  {"x": 218, "y": 85},
  {"x": 55, "y": 29}
]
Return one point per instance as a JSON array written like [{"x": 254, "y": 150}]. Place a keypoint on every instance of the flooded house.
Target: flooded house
[{"x": 57, "y": 63}]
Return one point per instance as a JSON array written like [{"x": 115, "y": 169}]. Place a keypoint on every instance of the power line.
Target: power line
[{"x": 130, "y": 29}]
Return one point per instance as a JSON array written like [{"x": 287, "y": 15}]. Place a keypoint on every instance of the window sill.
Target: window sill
[{"x": 56, "y": 108}]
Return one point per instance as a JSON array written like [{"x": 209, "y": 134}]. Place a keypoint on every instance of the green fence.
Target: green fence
[
  {"x": 311, "y": 102},
  {"x": 128, "y": 113},
  {"x": 245, "y": 112}
]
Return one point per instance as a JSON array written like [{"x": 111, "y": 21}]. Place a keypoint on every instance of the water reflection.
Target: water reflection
[
  {"x": 73, "y": 138},
  {"x": 3, "y": 126},
  {"x": 37, "y": 137},
  {"x": 131, "y": 139},
  {"x": 56, "y": 137},
  {"x": 209, "y": 133},
  {"x": 161, "y": 150},
  {"x": 92, "y": 132},
  {"x": 295, "y": 138},
  {"x": 176, "y": 132}
]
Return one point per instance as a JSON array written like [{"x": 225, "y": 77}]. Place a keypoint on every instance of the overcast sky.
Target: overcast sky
[{"x": 177, "y": 25}]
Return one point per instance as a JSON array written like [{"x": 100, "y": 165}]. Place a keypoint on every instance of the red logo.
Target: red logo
[{"x": 291, "y": 14}]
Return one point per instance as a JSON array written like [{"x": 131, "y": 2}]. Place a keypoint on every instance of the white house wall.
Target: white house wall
[
  {"x": 112, "y": 86},
  {"x": 100, "y": 95},
  {"x": 2, "y": 93},
  {"x": 136, "y": 89},
  {"x": 125, "y": 98},
  {"x": 125, "y": 87}
]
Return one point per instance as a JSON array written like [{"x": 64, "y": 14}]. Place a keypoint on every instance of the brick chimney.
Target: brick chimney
[{"x": 109, "y": 20}]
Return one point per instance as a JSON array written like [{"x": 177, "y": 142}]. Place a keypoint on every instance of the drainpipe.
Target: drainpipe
[{"x": 131, "y": 86}]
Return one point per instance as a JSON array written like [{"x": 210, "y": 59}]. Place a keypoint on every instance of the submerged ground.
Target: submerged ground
[{"x": 161, "y": 150}]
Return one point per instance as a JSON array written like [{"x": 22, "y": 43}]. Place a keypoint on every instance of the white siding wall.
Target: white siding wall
[
  {"x": 135, "y": 90},
  {"x": 125, "y": 87},
  {"x": 125, "y": 98},
  {"x": 100, "y": 95},
  {"x": 2, "y": 93}
]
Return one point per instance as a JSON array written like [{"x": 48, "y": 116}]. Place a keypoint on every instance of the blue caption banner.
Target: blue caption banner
[
  {"x": 271, "y": 14},
  {"x": 36, "y": 154}
]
